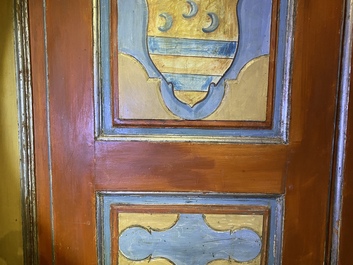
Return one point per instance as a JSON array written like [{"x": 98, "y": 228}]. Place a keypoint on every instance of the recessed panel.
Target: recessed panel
[
  {"x": 203, "y": 70},
  {"x": 188, "y": 229},
  {"x": 189, "y": 234}
]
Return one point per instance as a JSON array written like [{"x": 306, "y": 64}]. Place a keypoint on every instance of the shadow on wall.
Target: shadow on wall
[{"x": 10, "y": 196}]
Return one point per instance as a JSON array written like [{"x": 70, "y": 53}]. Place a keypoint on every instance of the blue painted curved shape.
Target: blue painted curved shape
[
  {"x": 190, "y": 82},
  {"x": 193, "y": 11},
  {"x": 168, "y": 22},
  {"x": 129, "y": 243},
  {"x": 247, "y": 244},
  {"x": 128, "y": 25},
  {"x": 190, "y": 241},
  {"x": 254, "y": 33},
  {"x": 214, "y": 23},
  {"x": 199, "y": 111}
]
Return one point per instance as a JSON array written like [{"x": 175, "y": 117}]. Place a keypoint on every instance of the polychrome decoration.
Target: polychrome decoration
[
  {"x": 185, "y": 239},
  {"x": 194, "y": 60},
  {"x": 189, "y": 56},
  {"x": 186, "y": 228},
  {"x": 192, "y": 70}
]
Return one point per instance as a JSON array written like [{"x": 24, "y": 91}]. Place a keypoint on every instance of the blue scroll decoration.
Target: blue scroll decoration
[{"x": 190, "y": 241}]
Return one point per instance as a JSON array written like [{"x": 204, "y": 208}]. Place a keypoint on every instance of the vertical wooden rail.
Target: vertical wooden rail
[
  {"x": 339, "y": 173},
  {"x": 26, "y": 137}
]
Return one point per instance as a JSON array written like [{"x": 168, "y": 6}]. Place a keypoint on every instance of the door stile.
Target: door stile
[
  {"x": 44, "y": 223},
  {"x": 70, "y": 137},
  {"x": 314, "y": 87}
]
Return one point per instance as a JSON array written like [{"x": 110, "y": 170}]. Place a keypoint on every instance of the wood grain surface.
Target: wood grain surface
[{"x": 71, "y": 165}]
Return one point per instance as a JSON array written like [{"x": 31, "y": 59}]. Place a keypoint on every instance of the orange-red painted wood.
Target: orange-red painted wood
[
  {"x": 41, "y": 134},
  {"x": 190, "y": 167},
  {"x": 69, "y": 168},
  {"x": 315, "y": 81}
]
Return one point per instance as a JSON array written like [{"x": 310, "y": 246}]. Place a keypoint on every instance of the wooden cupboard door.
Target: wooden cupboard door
[{"x": 184, "y": 132}]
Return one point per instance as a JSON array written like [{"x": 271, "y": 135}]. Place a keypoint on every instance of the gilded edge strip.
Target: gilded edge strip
[
  {"x": 26, "y": 132},
  {"x": 341, "y": 131}
]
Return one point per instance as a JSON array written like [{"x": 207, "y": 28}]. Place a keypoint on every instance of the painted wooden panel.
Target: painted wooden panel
[
  {"x": 189, "y": 239},
  {"x": 70, "y": 166},
  {"x": 196, "y": 69},
  {"x": 187, "y": 229}
]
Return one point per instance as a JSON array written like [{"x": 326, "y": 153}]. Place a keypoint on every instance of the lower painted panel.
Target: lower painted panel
[{"x": 184, "y": 229}]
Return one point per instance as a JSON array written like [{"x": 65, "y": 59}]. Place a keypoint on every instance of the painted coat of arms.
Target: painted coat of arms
[
  {"x": 192, "y": 50},
  {"x": 193, "y": 59}
]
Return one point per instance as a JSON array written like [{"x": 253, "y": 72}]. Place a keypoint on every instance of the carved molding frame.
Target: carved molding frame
[
  {"x": 339, "y": 152},
  {"x": 278, "y": 134},
  {"x": 26, "y": 136}
]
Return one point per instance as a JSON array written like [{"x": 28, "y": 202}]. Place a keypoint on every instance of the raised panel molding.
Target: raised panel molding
[
  {"x": 165, "y": 76},
  {"x": 183, "y": 228}
]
